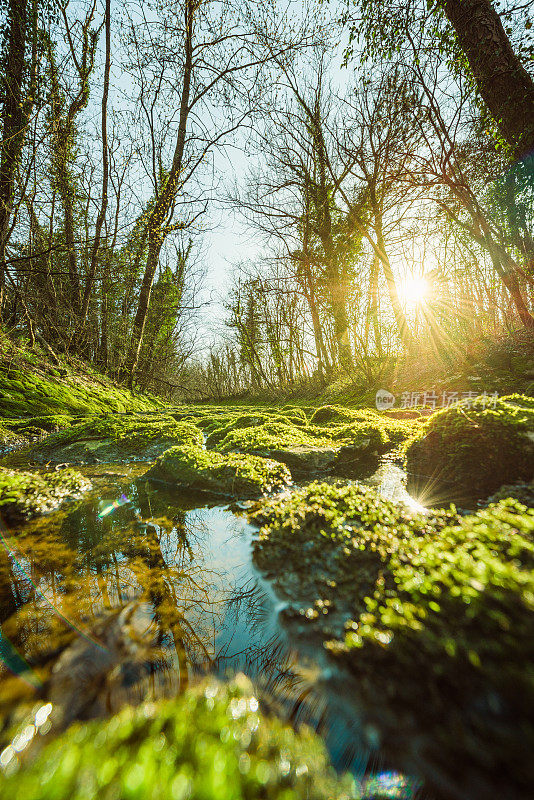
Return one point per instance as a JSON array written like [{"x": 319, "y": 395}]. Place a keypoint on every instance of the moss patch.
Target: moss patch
[
  {"x": 115, "y": 437},
  {"x": 466, "y": 453},
  {"x": 10, "y": 440},
  {"x": 28, "y": 494},
  {"x": 235, "y": 474},
  {"x": 213, "y": 742},
  {"x": 433, "y": 614},
  {"x": 31, "y": 386},
  {"x": 350, "y": 450}
]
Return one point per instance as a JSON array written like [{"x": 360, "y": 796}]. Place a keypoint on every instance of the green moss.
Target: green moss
[
  {"x": 468, "y": 452},
  {"x": 29, "y": 386},
  {"x": 27, "y": 494},
  {"x": 432, "y": 613},
  {"x": 212, "y": 742},
  {"x": 116, "y": 436},
  {"x": 49, "y": 423},
  {"x": 270, "y": 436},
  {"x": 326, "y": 415},
  {"x": 235, "y": 474},
  {"x": 9, "y": 440}
]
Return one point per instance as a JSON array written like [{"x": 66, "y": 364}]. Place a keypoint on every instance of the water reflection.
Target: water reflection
[{"x": 136, "y": 590}]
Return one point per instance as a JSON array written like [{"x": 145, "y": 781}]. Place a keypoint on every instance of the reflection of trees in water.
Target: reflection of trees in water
[
  {"x": 66, "y": 574},
  {"x": 73, "y": 570}
]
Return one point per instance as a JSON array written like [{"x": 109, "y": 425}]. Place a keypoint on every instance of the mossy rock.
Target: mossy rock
[
  {"x": 522, "y": 492},
  {"x": 351, "y": 450},
  {"x": 9, "y": 440},
  {"x": 234, "y": 474},
  {"x": 115, "y": 437},
  {"x": 432, "y": 613},
  {"x": 293, "y": 446},
  {"x": 49, "y": 423},
  {"x": 28, "y": 494},
  {"x": 212, "y": 742},
  {"x": 464, "y": 453},
  {"x": 326, "y": 415}
]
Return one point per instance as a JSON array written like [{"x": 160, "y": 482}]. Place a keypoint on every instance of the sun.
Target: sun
[{"x": 414, "y": 291}]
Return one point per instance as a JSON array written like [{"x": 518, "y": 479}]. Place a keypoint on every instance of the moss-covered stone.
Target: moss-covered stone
[
  {"x": 523, "y": 492},
  {"x": 465, "y": 452},
  {"x": 115, "y": 437},
  {"x": 10, "y": 440},
  {"x": 212, "y": 742},
  {"x": 234, "y": 474},
  {"x": 326, "y": 415},
  {"x": 28, "y": 494},
  {"x": 49, "y": 423},
  {"x": 434, "y": 616},
  {"x": 351, "y": 450}
]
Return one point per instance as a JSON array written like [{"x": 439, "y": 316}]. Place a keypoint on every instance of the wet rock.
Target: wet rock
[
  {"x": 302, "y": 459},
  {"x": 9, "y": 440},
  {"x": 117, "y": 650}
]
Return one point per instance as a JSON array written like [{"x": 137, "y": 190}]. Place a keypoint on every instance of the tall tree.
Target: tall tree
[{"x": 14, "y": 119}]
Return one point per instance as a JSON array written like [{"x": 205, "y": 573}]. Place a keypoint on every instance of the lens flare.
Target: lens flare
[{"x": 113, "y": 506}]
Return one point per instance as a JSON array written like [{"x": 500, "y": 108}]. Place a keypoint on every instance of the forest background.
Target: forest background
[{"x": 211, "y": 199}]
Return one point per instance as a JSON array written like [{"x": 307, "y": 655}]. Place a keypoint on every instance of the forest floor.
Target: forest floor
[{"x": 399, "y": 546}]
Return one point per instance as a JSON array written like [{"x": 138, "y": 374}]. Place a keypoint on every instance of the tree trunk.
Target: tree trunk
[
  {"x": 400, "y": 317},
  {"x": 13, "y": 122},
  {"x": 503, "y": 82},
  {"x": 105, "y": 172},
  {"x": 158, "y": 216},
  {"x": 138, "y": 329}
]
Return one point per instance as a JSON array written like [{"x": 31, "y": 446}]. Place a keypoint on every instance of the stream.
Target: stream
[{"x": 137, "y": 590}]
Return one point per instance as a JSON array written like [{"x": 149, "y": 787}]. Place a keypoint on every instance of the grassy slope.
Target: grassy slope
[{"x": 31, "y": 386}]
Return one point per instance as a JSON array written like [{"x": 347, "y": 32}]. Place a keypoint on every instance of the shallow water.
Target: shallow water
[{"x": 181, "y": 568}]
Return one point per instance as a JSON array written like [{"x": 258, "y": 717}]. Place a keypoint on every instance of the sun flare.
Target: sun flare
[{"x": 414, "y": 291}]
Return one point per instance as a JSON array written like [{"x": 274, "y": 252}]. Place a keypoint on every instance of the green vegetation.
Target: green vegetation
[
  {"x": 466, "y": 453},
  {"x": 10, "y": 440},
  {"x": 154, "y": 752},
  {"x": 28, "y": 494},
  {"x": 235, "y": 474},
  {"x": 347, "y": 441},
  {"x": 49, "y": 423},
  {"x": 433, "y": 613},
  {"x": 30, "y": 386},
  {"x": 137, "y": 436}
]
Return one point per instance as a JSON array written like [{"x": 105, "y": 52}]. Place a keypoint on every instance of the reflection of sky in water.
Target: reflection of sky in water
[{"x": 205, "y": 608}]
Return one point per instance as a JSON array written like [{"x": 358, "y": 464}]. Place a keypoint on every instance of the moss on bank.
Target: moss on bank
[
  {"x": 212, "y": 742},
  {"x": 433, "y": 614},
  {"x": 28, "y": 494},
  {"x": 31, "y": 386},
  {"x": 467, "y": 452},
  {"x": 235, "y": 474}
]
